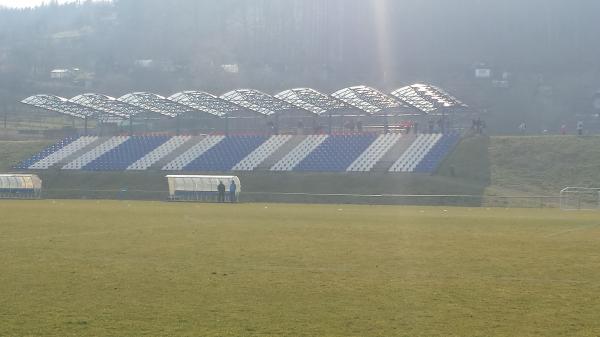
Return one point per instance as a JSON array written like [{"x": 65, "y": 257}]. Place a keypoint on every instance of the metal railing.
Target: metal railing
[{"x": 539, "y": 201}]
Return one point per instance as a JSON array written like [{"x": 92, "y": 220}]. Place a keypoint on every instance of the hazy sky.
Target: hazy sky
[{"x": 27, "y": 3}]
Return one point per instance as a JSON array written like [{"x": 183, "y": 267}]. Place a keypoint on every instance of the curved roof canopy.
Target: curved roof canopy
[
  {"x": 311, "y": 100},
  {"x": 367, "y": 99},
  {"x": 437, "y": 96},
  {"x": 256, "y": 101},
  {"x": 107, "y": 104},
  {"x": 64, "y": 106},
  {"x": 155, "y": 103},
  {"x": 412, "y": 97},
  {"x": 203, "y": 101}
]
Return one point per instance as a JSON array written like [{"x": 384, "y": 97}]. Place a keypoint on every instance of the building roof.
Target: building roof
[
  {"x": 108, "y": 105},
  {"x": 256, "y": 101},
  {"x": 203, "y": 101},
  {"x": 155, "y": 103},
  {"x": 64, "y": 106},
  {"x": 311, "y": 100},
  {"x": 367, "y": 99}
]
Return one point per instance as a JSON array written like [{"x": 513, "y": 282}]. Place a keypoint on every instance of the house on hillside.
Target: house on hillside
[{"x": 60, "y": 74}]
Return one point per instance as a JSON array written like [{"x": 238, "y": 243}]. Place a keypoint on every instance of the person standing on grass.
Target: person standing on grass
[
  {"x": 232, "y": 189},
  {"x": 580, "y": 128},
  {"x": 221, "y": 189}
]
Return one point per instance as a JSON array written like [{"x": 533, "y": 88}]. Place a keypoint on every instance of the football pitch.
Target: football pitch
[{"x": 125, "y": 268}]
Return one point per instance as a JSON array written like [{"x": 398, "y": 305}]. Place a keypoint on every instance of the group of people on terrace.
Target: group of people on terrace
[{"x": 563, "y": 128}]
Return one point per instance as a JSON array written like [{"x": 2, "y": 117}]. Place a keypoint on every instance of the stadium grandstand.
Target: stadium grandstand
[{"x": 355, "y": 129}]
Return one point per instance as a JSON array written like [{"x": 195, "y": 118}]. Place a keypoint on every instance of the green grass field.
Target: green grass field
[{"x": 121, "y": 268}]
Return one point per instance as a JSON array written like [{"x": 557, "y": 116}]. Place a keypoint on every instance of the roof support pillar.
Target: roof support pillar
[{"x": 386, "y": 125}]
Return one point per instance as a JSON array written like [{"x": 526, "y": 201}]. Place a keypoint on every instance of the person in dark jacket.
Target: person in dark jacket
[{"x": 221, "y": 189}]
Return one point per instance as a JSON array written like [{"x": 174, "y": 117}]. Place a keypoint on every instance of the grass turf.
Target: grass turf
[
  {"x": 110, "y": 268},
  {"x": 13, "y": 152},
  {"x": 544, "y": 164}
]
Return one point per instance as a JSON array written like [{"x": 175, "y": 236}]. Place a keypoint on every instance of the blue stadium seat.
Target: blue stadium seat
[
  {"x": 336, "y": 153},
  {"x": 45, "y": 153},
  {"x": 126, "y": 153},
  {"x": 226, "y": 154},
  {"x": 438, "y": 152}
]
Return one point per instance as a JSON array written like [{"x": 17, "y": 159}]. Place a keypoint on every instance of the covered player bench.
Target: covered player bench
[
  {"x": 20, "y": 186},
  {"x": 201, "y": 187}
]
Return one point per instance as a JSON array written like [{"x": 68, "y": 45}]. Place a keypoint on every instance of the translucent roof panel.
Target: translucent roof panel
[
  {"x": 155, "y": 103},
  {"x": 437, "y": 96},
  {"x": 204, "y": 101},
  {"x": 256, "y": 101},
  {"x": 311, "y": 100},
  {"x": 411, "y": 97},
  {"x": 64, "y": 106},
  {"x": 367, "y": 99},
  {"x": 107, "y": 104}
]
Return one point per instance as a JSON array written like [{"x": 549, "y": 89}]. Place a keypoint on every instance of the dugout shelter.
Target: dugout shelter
[
  {"x": 201, "y": 187},
  {"x": 20, "y": 186}
]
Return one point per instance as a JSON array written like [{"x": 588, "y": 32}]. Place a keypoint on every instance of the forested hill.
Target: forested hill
[{"x": 274, "y": 44}]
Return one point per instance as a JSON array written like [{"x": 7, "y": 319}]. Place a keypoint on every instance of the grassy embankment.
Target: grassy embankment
[
  {"x": 543, "y": 164},
  {"x": 12, "y": 152}
]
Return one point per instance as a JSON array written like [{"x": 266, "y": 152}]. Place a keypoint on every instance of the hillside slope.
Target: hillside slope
[
  {"x": 543, "y": 164},
  {"x": 12, "y": 152}
]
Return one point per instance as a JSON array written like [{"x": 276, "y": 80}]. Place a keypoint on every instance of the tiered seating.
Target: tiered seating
[
  {"x": 63, "y": 153},
  {"x": 336, "y": 153},
  {"x": 437, "y": 153},
  {"x": 415, "y": 153},
  {"x": 261, "y": 153},
  {"x": 120, "y": 157},
  {"x": 160, "y": 152},
  {"x": 352, "y": 153},
  {"x": 375, "y": 151},
  {"x": 45, "y": 153},
  {"x": 224, "y": 155},
  {"x": 192, "y": 153},
  {"x": 290, "y": 160},
  {"x": 94, "y": 153}
]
